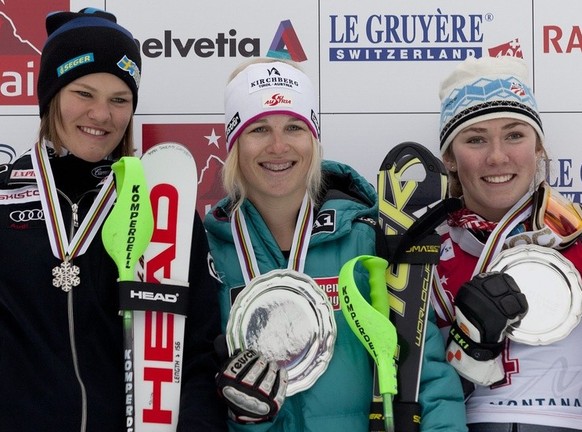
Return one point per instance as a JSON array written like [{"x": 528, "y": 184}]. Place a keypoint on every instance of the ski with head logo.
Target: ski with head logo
[
  {"x": 154, "y": 301},
  {"x": 172, "y": 180}
]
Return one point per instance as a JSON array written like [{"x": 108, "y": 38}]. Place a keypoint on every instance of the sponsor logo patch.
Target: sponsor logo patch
[
  {"x": 325, "y": 222},
  {"x": 447, "y": 251},
  {"x": 19, "y": 196}
]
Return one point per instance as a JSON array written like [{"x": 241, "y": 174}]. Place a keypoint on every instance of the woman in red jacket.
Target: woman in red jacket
[{"x": 508, "y": 290}]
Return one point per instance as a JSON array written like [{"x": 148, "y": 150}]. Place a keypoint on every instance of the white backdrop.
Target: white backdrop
[{"x": 377, "y": 65}]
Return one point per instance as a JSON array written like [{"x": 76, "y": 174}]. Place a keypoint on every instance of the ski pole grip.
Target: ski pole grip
[
  {"x": 379, "y": 295},
  {"x": 370, "y": 322},
  {"x": 128, "y": 229}
]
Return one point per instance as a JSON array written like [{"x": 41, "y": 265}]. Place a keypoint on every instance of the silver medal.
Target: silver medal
[
  {"x": 552, "y": 287},
  {"x": 287, "y": 317},
  {"x": 66, "y": 276}
]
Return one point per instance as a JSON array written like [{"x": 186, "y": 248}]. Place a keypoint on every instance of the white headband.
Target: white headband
[{"x": 263, "y": 89}]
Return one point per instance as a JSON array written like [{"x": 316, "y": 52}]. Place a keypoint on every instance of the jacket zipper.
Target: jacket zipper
[
  {"x": 71, "y": 320},
  {"x": 74, "y": 225}
]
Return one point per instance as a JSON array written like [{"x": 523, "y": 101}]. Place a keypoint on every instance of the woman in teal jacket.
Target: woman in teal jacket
[{"x": 273, "y": 169}]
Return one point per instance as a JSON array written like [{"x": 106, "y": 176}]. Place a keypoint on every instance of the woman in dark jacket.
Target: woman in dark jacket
[{"x": 61, "y": 335}]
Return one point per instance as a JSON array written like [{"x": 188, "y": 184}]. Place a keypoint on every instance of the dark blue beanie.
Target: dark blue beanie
[{"x": 82, "y": 43}]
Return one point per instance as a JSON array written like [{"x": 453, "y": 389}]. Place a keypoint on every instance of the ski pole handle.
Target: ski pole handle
[
  {"x": 128, "y": 229},
  {"x": 126, "y": 233},
  {"x": 371, "y": 325}
]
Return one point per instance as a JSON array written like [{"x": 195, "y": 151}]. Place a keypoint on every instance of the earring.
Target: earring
[{"x": 452, "y": 168}]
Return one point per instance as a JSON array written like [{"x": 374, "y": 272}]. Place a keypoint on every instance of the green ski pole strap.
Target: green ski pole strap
[
  {"x": 370, "y": 322},
  {"x": 128, "y": 229}
]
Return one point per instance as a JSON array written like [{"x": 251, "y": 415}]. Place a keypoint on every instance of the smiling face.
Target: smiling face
[
  {"x": 95, "y": 112},
  {"x": 496, "y": 161},
  {"x": 275, "y": 153}
]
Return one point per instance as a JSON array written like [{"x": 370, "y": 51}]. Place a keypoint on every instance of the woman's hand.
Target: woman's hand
[{"x": 252, "y": 387}]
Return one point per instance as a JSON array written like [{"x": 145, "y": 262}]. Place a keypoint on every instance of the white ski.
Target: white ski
[{"x": 172, "y": 180}]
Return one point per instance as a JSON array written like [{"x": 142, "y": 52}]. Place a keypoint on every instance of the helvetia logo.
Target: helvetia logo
[
  {"x": 286, "y": 44},
  {"x": 22, "y": 35},
  {"x": 222, "y": 45}
]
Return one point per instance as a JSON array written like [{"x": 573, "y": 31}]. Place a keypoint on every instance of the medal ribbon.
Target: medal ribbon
[
  {"x": 60, "y": 245},
  {"x": 299, "y": 246},
  {"x": 495, "y": 243},
  {"x": 518, "y": 213}
]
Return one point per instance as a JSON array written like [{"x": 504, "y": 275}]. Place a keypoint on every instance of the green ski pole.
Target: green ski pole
[{"x": 371, "y": 325}]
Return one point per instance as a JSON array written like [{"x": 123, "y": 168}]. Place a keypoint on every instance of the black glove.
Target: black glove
[
  {"x": 253, "y": 388},
  {"x": 484, "y": 308}
]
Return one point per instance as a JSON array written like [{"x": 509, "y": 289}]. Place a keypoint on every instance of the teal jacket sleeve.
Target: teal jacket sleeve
[{"x": 441, "y": 394}]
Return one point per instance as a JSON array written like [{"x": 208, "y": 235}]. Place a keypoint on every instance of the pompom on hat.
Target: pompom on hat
[
  {"x": 266, "y": 88},
  {"x": 82, "y": 43},
  {"x": 483, "y": 89}
]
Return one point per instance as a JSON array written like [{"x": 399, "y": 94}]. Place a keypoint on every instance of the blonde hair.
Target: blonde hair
[
  {"x": 232, "y": 179},
  {"x": 52, "y": 118}
]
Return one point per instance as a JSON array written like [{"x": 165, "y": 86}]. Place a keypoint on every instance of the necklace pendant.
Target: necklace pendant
[{"x": 66, "y": 276}]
